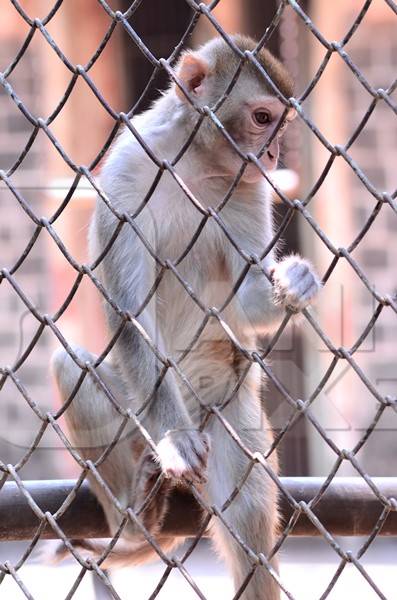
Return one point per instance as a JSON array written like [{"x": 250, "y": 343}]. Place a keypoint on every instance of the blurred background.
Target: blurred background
[{"x": 341, "y": 207}]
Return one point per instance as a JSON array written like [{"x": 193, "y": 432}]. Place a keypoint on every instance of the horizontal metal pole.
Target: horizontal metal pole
[{"x": 348, "y": 508}]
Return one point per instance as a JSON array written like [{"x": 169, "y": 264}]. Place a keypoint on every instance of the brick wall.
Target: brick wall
[
  {"x": 18, "y": 425},
  {"x": 41, "y": 79},
  {"x": 374, "y": 51}
]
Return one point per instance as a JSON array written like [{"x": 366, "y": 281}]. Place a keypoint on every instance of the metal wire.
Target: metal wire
[{"x": 301, "y": 207}]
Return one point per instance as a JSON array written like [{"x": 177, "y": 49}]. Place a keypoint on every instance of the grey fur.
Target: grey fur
[{"x": 171, "y": 318}]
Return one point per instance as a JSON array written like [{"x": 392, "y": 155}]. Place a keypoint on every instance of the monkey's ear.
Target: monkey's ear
[{"x": 192, "y": 71}]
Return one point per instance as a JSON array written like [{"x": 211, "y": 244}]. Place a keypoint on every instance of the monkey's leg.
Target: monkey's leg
[
  {"x": 93, "y": 423},
  {"x": 252, "y": 513}
]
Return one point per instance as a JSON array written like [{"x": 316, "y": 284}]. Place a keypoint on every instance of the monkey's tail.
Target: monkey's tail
[{"x": 123, "y": 554}]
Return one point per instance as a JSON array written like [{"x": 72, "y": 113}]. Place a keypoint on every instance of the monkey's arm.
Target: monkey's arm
[
  {"x": 140, "y": 353},
  {"x": 182, "y": 450}
]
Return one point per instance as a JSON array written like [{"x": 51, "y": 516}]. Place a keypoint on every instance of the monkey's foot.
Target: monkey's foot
[
  {"x": 295, "y": 281},
  {"x": 183, "y": 454},
  {"x": 145, "y": 482}
]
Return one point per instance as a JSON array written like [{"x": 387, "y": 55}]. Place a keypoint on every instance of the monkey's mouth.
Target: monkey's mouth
[{"x": 265, "y": 163}]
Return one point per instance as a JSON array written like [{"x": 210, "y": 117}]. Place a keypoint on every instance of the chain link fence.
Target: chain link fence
[{"x": 62, "y": 511}]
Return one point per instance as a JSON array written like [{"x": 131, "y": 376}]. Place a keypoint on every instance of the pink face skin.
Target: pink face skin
[
  {"x": 259, "y": 120},
  {"x": 250, "y": 129}
]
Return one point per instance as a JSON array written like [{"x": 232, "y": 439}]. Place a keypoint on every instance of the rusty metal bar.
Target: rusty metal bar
[{"x": 349, "y": 507}]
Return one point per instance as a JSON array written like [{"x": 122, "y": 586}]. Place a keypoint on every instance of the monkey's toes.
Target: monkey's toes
[{"x": 183, "y": 454}]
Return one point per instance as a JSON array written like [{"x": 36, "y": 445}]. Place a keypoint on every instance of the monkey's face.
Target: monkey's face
[
  {"x": 256, "y": 127},
  {"x": 253, "y": 117}
]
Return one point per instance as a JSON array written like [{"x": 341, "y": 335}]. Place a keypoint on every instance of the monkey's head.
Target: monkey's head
[{"x": 251, "y": 111}]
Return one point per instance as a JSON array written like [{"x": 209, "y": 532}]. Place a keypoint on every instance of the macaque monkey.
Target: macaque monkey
[{"x": 190, "y": 447}]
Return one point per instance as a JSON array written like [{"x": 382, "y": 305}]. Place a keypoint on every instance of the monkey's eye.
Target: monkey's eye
[{"x": 261, "y": 117}]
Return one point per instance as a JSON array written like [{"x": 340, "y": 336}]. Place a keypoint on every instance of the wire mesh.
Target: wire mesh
[{"x": 300, "y": 207}]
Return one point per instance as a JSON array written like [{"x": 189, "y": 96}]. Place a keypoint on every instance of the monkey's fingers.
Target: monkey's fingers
[{"x": 296, "y": 283}]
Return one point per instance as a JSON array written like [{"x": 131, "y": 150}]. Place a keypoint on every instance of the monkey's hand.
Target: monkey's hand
[
  {"x": 183, "y": 454},
  {"x": 295, "y": 282}
]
